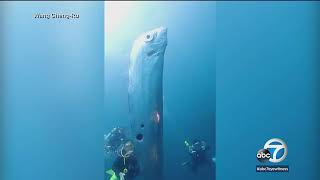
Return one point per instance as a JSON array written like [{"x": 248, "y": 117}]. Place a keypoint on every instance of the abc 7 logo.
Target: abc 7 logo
[{"x": 275, "y": 150}]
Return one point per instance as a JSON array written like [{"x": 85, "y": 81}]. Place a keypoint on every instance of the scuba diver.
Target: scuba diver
[
  {"x": 125, "y": 166},
  {"x": 114, "y": 139},
  {"x": 199, "y": 155}
]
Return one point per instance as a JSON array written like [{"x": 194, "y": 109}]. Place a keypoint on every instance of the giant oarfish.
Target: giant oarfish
[{"x": 146, "y": 101}]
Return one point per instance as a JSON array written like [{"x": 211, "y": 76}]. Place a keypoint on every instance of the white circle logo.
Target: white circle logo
[{"x": 277, "y": 148}]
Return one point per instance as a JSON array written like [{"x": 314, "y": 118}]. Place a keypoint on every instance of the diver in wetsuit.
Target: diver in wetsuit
[
  {"x": 199, "y": 155},
  {"x": 125, "y": 166},
  {"x": 114, "y": 139}
]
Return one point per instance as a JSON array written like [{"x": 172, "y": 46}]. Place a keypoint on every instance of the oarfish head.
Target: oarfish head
[{"x": 148, "y": 49}]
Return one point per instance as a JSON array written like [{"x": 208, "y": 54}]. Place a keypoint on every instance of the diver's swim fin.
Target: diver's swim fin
[
  {"x": 110, "y": 172},
  {"x": 113, "y": 174}
]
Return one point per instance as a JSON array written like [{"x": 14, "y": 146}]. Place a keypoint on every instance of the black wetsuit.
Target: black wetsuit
[
  {"x": 131, "y": 164},
  {"x": 199, "y": 156}
]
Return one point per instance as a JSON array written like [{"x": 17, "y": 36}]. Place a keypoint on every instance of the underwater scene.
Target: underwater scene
[{"x": 159, "y": 90}]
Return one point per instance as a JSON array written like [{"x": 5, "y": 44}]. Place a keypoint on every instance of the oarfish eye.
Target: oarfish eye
[{"x": 148, "y": 37}]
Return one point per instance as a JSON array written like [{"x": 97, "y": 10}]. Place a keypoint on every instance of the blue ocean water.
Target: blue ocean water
[
  {"x": 52, "y": 92},
  {"x": 267, "y": 86}
]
